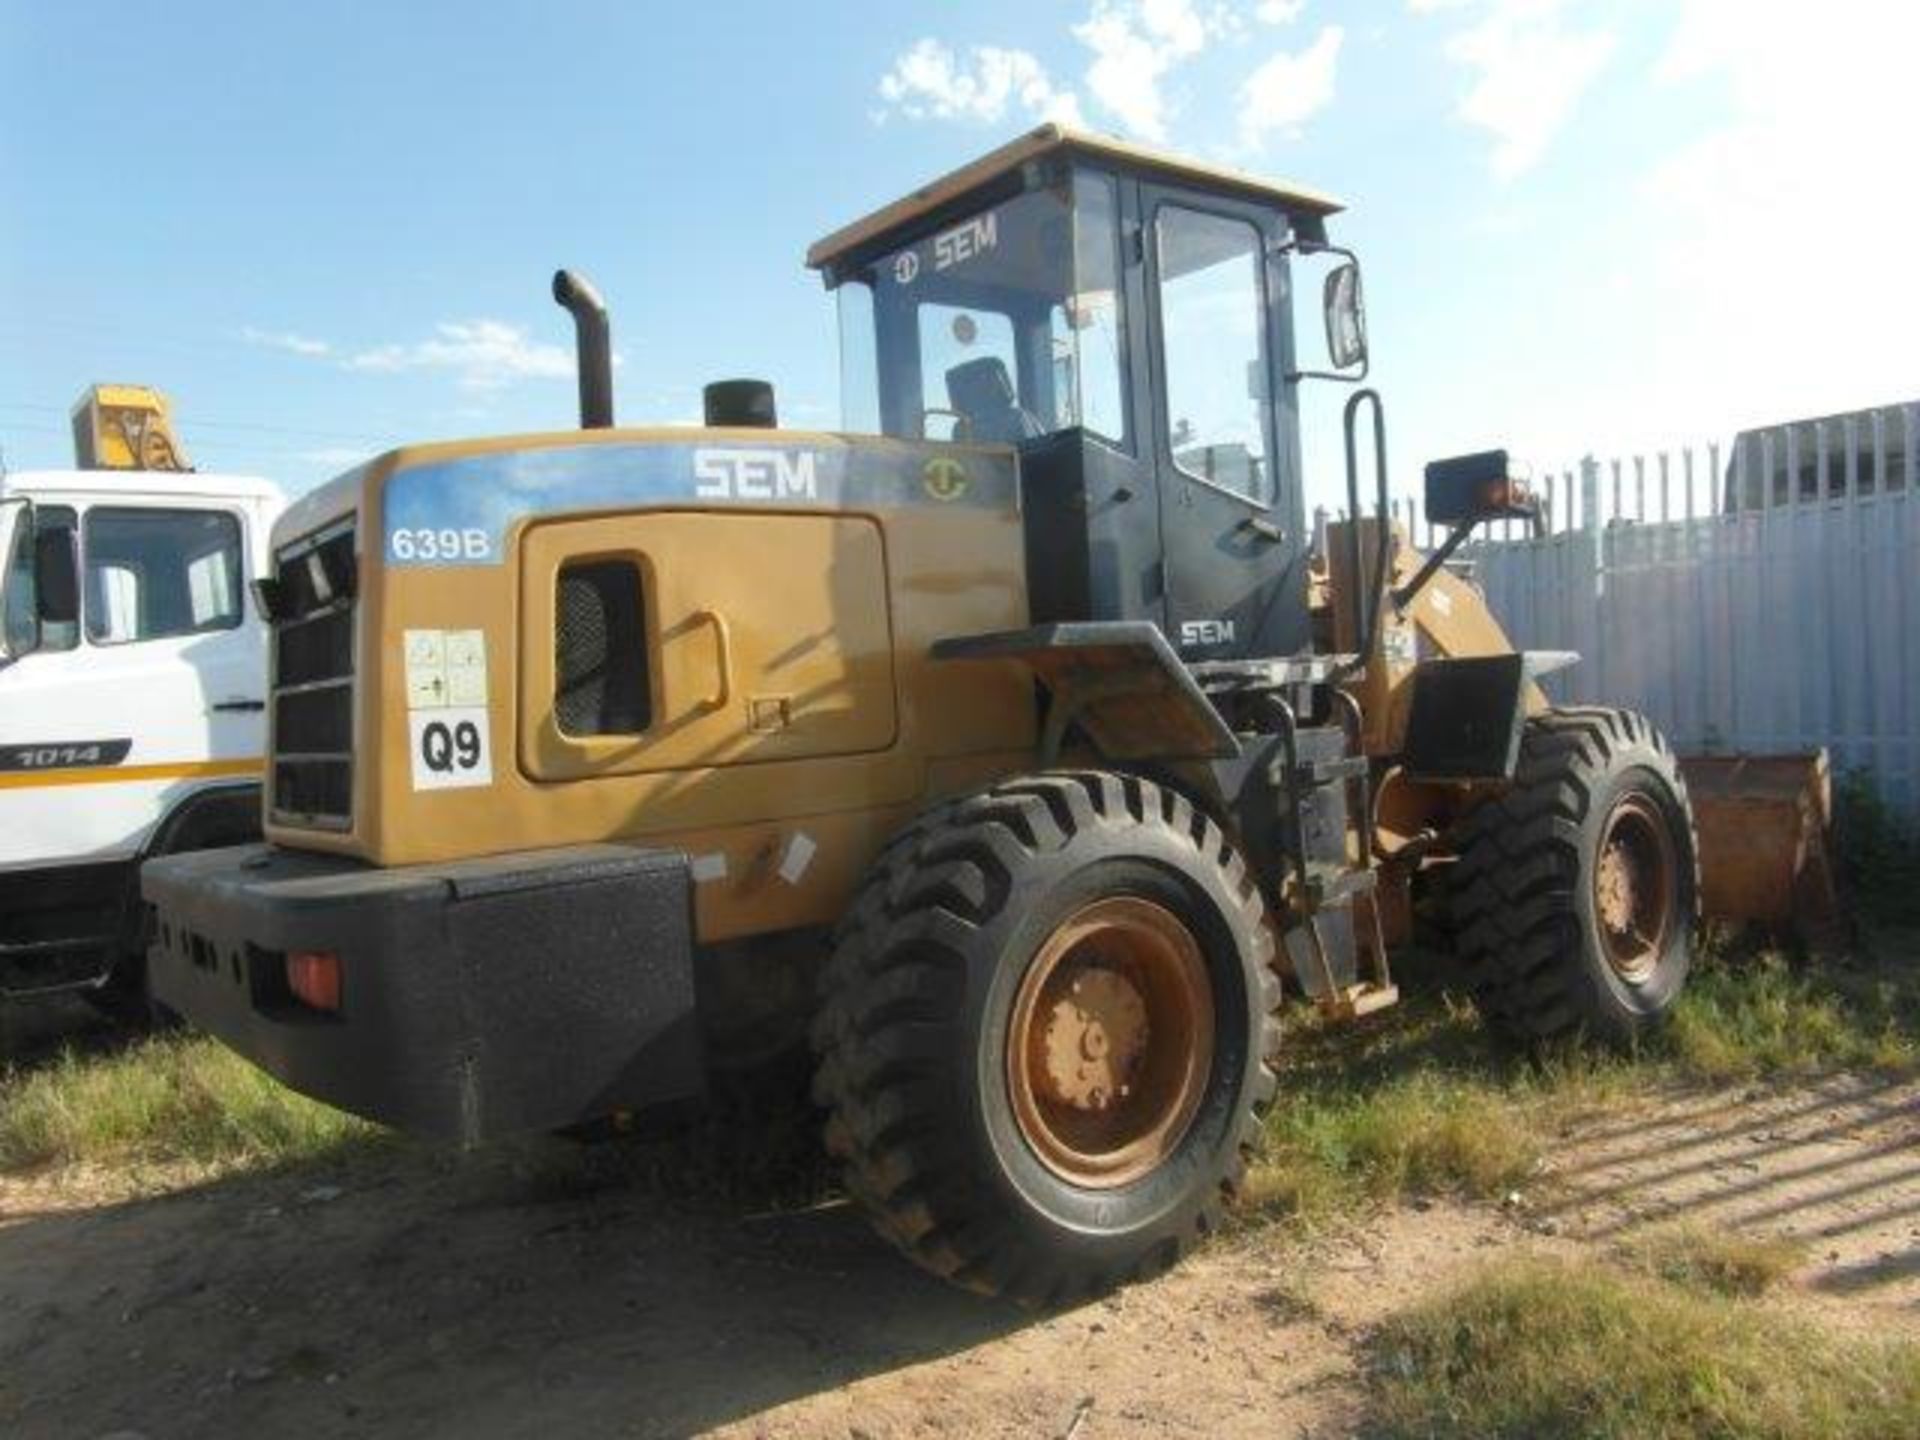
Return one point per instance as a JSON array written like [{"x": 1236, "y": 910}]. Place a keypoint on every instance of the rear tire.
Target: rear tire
[
  {"x": 999, "y": 947},
  {"x": 1575, "y": 894}
]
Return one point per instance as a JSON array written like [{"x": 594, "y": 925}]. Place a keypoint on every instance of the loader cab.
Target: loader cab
[{"x": 1125, "y": 321}]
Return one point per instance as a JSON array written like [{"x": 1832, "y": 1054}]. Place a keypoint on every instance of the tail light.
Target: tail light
[{"x": 314, "y": 978}]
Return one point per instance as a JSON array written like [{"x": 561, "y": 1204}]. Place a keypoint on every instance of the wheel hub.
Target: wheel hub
[
  {"x": 1635, "y": 887},
  {"x": 1615, "y": 884},
  {"x": 1110, "y": 1042},
  {"x": 1096, "y": 1036}
]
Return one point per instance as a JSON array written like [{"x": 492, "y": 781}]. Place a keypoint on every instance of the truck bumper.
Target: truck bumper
[{"x": 477, "y": 998}]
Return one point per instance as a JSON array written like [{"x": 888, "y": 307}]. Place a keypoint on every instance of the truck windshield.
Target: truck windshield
[{"x": 1001, "y": 327}]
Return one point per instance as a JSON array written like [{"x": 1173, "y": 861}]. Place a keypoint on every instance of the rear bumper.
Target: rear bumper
[{"x": 483, "y": 997}]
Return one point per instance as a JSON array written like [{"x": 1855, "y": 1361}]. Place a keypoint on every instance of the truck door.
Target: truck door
[
  {"x": 1226, "y": 442},
  {"x": 155, "y": 692}
]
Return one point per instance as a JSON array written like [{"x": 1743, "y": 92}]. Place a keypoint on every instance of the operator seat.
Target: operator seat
[{"x": 982, "y": 392}]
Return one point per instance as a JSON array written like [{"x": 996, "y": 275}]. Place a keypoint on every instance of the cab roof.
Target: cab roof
[
  {"x": 1050, "y": 140},
  {"x": 173, "y": 484}
]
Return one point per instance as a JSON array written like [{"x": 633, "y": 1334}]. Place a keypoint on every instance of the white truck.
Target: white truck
[{"x": 132, "y": 668}]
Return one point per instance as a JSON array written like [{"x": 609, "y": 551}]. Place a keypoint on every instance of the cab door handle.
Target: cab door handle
[
  {"x": 1263, "y": 528},
  {"x": 722, "y": 655},
  {"x": 238, "y": 705}
]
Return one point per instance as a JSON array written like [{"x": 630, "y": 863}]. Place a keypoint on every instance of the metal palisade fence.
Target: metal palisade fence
[{"x": 1762, "y": 598}]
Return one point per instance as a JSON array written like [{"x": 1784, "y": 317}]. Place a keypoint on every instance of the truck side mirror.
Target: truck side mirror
[
  {"x": 1484, "y": 486},
  {"x": 56, "y": 576},
  {"x": 1346, "y": 316},
  {"x": 19, "y": 616}
]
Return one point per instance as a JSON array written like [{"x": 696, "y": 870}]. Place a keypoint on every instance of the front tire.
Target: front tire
[
  {"x": 1576, "y": 891},
  {"x": 1044, "y": 1034}
]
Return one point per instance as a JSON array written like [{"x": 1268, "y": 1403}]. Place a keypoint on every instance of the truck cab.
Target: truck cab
[{"x": 130, "y": 703}]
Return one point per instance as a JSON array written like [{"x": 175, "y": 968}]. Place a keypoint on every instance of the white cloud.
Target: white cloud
[
  {"x": 1288, "y": 89},
  {"x": 1530, "y": 69},
  {"x": 931, "y": 82},
  {"x": 1134, "y": 45},
  {"x": 287, "y": 340},
  {"x": 480, "y": 354}
]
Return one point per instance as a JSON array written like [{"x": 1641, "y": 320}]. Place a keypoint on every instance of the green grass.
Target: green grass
[
  {"x": 1420, "y": 1100},
  {"x": 1711, "y": 1261},
  {"x": 1750, "y": 1015},
  {"x": 167, "y": 1100},
  {"x": 1416, "y": 1101},
  {"x": 1878, "y": 852},
  {"x": 1532, "y": 1348}
]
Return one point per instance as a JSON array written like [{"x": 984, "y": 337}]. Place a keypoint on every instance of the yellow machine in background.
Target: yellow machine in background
[{"x": 126, "y": 427}]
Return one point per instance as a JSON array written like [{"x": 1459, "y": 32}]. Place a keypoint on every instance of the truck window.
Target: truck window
[
  {"x": 1212, "y": 336},
  {"x": 155, "y": 573},
  {"x": 22, "y": 597}
]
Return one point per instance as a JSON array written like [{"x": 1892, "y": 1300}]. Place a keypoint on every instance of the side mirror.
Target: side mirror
[
  {"x": 19, "y": 620},
  {"x": 56, "y": 576},
  {"x": 1471, "y": 488},
  {"x": 1346, "y": 316}
]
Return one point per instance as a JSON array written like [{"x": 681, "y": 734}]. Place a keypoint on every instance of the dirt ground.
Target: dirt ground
[{"x": 417, "y": 1293}]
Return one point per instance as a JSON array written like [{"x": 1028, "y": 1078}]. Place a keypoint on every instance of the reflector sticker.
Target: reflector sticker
[
  {"x": 707, "y": 868},
  {"x": 798, "y": 857}
]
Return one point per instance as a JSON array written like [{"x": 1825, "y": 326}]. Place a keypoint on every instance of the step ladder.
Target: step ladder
[{"x": 1323, "y": 890}]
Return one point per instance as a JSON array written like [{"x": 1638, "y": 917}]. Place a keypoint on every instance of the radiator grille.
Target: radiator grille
[{"x": 313, "y": 672}]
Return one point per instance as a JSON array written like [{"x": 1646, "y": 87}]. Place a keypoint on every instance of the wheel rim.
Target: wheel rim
[
  {"x": 1110, "y": 1042},
  {"x": 1634, "y": 888}
]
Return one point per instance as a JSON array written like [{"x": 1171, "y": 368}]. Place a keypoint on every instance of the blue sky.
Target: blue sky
[{"x": 325, "y": 229}]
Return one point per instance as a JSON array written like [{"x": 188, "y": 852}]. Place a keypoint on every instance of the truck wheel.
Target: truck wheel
[
  {"x": 1576, "y": 891},
  {"x": 1044, "y": 1034}
]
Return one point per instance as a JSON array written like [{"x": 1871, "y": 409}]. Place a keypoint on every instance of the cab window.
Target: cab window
[
  {"x": 1000, "y": 326},
  {"x": 155, "y": 573},
  {"x": 968, "y": 366},
  {"x": 1214, "y": 349}
]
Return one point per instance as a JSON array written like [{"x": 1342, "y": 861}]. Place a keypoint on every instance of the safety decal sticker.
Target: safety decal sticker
[
  {"x": 944, "y": 478},
  {"x": 450, "y": 750},
  {"x": 447, "y": 708}
]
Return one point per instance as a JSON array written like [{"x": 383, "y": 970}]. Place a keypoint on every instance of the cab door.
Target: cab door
[{"x": 1226, "y": 442}]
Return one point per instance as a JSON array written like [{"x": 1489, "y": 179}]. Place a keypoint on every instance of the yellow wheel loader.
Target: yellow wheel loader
[{"x": 1011, "y": 748}]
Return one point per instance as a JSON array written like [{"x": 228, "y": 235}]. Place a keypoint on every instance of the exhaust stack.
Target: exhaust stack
[{"x": 593, "y": 344}]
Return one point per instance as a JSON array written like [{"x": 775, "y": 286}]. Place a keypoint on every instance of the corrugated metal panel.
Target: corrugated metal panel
[{"x": 1784, "y": 627}]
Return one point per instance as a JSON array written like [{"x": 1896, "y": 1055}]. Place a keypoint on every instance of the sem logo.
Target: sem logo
[
  {"x": 906, "y": 266},
  {"x": 754, "y": 475},
  {"x": 963, "y": 242},
  {"x": 1206, "y": 632},
  {"x": 944, "y": 479}
]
